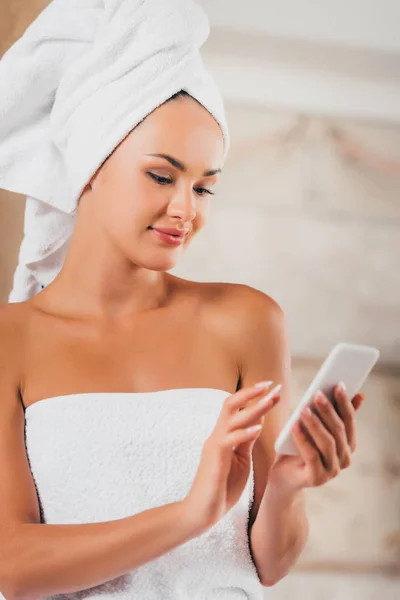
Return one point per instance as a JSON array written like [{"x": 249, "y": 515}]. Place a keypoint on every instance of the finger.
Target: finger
[
  {"x": 357, "y": 401},
  {"x": 241, "y": 398},
  {"x": 347, "y": 413},
  {"x": 309, "y": 453},
  {"x": 249, "y": 414},
  {"x": 323, "y": 439},
  {"x": 241, "y": 441},
  {"x": 335, "y": 426}
]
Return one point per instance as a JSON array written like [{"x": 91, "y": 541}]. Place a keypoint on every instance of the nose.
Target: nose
[{"x": 183, "y": 205}]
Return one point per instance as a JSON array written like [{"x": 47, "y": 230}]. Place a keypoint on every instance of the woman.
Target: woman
[
  {"x": 115, "y": 321},
  {"x": 136, "y": 392}
]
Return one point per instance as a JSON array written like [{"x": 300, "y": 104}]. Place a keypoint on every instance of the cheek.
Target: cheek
[{"x": 126, "y": 206}]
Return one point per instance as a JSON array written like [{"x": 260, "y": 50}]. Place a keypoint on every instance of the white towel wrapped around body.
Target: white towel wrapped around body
[
  {"x": 97, "y": 457},
  {"x": 81, "y": 77}
]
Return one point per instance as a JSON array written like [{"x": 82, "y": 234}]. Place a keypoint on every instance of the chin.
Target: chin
[{"x": 155, "y": 264}]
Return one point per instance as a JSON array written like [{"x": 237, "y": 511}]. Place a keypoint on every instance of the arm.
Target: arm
[
  {"x": 279, "y": 534},
  {"x": 43, "y": 560},
  {"x": 38, "y": 560},
  {"x": 278, "y": 527}
]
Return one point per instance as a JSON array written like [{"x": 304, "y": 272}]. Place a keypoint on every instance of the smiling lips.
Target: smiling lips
[
  {"x": 175, "y": 238},
  {"x": 170, "y": 231}
]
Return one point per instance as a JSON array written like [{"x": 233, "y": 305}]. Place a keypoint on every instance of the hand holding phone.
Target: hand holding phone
[{"x": 349, "y": 363}]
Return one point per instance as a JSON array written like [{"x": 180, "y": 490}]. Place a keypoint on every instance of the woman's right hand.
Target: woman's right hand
[{"x": 226, "y": 454}]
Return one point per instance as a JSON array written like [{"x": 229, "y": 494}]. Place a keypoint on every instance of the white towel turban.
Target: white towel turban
[{"x": 81, "y": 77}]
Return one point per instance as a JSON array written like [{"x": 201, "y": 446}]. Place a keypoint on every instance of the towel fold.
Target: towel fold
[{"x": 81, "y": 77}]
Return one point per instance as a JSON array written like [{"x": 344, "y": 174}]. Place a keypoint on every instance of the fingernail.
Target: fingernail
[
  {"x": 342, "y": 386},
  {"x": 263, "y": 384},
  {"x": 275, "y": 390},
  {"x": 320, "y": 398}
]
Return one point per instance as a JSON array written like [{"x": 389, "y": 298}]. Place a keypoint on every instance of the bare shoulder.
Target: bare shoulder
[
  {"x": 12, "y": 327},
  {"x": 256, "y": 314},
  {"x": 241, "y": 301},
  {"x": 18, "y": 498},
  {"x": 12, "y": 318},
  {"x": 244, "y": 296},
  {"x": 242, "y": 313}
]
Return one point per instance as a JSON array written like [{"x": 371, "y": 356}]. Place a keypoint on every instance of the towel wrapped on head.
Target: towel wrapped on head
[{"x": 81, "y": 77}]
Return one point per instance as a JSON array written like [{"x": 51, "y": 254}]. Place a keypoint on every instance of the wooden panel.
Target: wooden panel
[{"x": 16, "y": 15}]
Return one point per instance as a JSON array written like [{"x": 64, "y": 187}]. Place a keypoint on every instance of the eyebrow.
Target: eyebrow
[{"x": 179, "y": 165}]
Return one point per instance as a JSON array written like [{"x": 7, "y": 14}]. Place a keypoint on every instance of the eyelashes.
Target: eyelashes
[{"x": 164, "y": 181}]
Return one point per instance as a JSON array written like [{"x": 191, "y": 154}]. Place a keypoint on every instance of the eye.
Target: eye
[
  {"x": 205, "y": 190},
  {"x": 165, "y": 180},
  {"x": 160, "y": 180}
]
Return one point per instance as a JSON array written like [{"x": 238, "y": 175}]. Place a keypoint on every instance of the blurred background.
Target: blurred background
[{"x": 308, "y": 211}]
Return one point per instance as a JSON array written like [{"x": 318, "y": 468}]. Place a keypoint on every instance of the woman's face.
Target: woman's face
[{"x": 134, "y": 191}]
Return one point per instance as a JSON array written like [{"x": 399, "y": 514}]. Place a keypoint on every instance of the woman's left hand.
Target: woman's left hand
[{"x": 326, "y": 439}]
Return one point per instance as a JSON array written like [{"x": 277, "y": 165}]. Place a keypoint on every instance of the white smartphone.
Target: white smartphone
[{"x": 349, "y": 363}]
